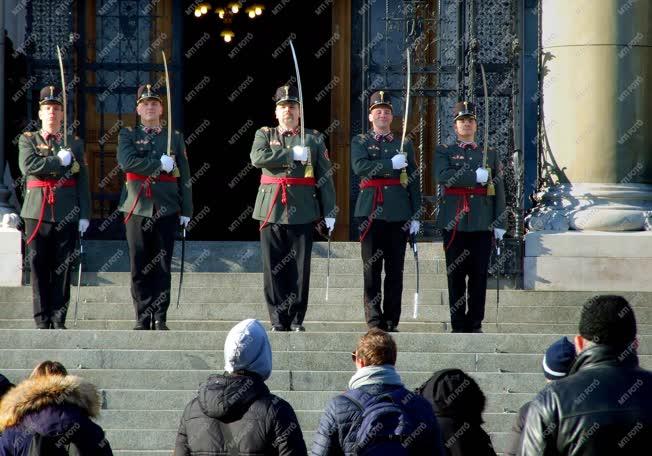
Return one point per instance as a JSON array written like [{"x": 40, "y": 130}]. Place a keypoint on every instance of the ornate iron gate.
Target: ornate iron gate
[{"x": 448, "y": 40}]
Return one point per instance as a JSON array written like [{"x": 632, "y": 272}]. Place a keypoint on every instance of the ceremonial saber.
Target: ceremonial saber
[
  {"x": 296, "y": 69},
  {"x": 413, "y": 241},
  {"x": 175, "y": 171},
  {"x": 65, "y": 99},
  {"x": 183, "y": 257},
  {"x": 308, "y": 163},
  {"x": 79, "y": 274},
  {"x": 491, "y": 190},
  {"x": 404, "y": 176},
  {"x": 328, "y": 266}
]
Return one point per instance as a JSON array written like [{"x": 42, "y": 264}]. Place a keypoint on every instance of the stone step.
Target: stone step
[
  {"x": 163, "y": 440},
  {"x": 341, "y": 312},
  {"x": 281, "y": 342},
  {"x": 120, "y": 399},
  {"x": 407, "y": 326},
  {"x": 290, "y": 360},
  {"x": 282, "y": 380},
  {"x": 216, "y": 288},
  {"x": 226, "y": 256},
  {"x": 308, "y": 419},
  {"x": 255, "y": 279}
]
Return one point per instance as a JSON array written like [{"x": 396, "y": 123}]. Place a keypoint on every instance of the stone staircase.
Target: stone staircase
[{"x": 147, "y": 377}]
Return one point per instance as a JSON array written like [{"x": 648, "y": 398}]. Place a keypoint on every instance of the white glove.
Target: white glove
[
  {"x": 183, "y": 220},
  {"x": 481, "y": 175},
  {"x": 300, "y": 153},
  {"x": 499, "y": 233},
  {"x": 65, "y": 155},
  {"x": 399, "y": 161},
  {"x": 167, "y": 163},
  {"x": 330, "y": 224},
  {"x": 83, "y": 225},
  {"x": 414, "y": 227}
]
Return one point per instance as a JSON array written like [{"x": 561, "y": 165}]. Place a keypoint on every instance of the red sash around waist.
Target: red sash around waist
[
  {"x": 377, "y": 185},
  {"x": 49, "y": 187},
  {"x": 281, "y": 185},
  {"x": 146, "y": 185}
]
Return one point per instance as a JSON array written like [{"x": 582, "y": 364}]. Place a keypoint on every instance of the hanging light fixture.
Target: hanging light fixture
[
  {"x": 220, "y": 12},
  {"x": 234, "y": 7},
  {"x": 228, "y": 35},
  {"x": 251, "y": 12},
  {"x": 204, "y": 7},
  {"x": 258, "y": 9}
]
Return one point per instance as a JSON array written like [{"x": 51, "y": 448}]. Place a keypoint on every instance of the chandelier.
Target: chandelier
[{"x": 226, "y": 12}]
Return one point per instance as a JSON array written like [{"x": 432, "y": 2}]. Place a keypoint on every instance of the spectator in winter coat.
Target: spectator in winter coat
[
  {"x": 49, "y": 414},
  {"x": 556, "y": 364},
  {"x": 604, "y": 406},
  {"x": 458, "y": 403},
  {"x": 234, "y": 412},
  {"x": 408, "y": 424}
]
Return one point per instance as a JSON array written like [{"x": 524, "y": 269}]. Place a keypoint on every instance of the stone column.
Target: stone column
[{"x": 597, "y": 115}]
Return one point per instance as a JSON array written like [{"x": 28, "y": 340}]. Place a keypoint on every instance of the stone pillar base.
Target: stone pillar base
[
  {"x": 11, "y": 258},
  {"x": 588, "y": 261}
]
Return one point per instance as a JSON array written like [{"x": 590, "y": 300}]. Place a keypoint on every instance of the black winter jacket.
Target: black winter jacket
[
  {"x": 458, "y": 403},
  {"x": 603, "y": 408},
  {"x": 237, "y": 415}
]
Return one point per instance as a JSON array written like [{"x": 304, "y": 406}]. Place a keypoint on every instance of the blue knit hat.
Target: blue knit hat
[{"x": 558, "y": 359}]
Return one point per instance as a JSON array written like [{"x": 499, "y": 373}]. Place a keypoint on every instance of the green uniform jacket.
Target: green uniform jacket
[
  {"x": 37, "y": 160},
  {"x": 140, "y": 153},
  {"x": 272, "y": 153},
  {"x": 455, "y": 167},
  {"x": 371, "y": 159}
]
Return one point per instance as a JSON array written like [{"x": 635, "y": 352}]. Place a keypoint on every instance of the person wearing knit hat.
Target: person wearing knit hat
[
  {"x": 556, "y": 363},
  {"x": 234, "y": 412},
  {"x": 247, "y": 348}
]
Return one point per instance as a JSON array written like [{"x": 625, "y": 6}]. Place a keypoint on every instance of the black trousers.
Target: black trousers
[
  {"x": 286, "y": 252},
  {"x": 467, "y": 256},
  {"x": 151, "y": 244},
  {"x": 384, "y": 244},
  {"x": 52, "y": 256}
]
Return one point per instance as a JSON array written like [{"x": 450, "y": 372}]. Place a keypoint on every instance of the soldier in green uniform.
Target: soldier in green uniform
[
  {"x": 296, "y": 189},
  {"x": 56, "y": 206},
  {"x": 468, "y": 216},
  {"x": 154, "y": 202},
  {"x": 388, "y": 211}
]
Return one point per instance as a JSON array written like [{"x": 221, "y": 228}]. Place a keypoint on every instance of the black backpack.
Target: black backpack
[{"x": 42, "y": 445}]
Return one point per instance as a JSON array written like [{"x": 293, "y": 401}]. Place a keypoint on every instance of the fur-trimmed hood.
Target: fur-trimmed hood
[{"x": 34, "y": 394}]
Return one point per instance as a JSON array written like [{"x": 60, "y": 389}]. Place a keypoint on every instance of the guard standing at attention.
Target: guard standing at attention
[{"x": 156, "y": 199}]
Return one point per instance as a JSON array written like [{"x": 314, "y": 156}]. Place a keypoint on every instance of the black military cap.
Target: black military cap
[
  {"x": 464, "y": 109},
  {"x": 380, "y": 98},
  {"x": 50, "y": 95},
  {"x": 286, "y": 93},
  {"x": 146, "y": 92}
]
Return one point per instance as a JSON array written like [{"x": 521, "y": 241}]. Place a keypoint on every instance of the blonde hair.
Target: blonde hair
[
  {"x": 47, "y": 368},
  {"x": 376, "y": 348}
]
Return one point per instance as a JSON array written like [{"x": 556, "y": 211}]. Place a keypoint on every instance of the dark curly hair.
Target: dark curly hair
[{"x": 608, "y": 320}]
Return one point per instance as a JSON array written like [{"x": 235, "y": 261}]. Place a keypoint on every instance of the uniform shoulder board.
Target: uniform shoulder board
[
  {"x": 445, "y": 146},
  {"x": 361, "y": 136},
  {"x": 128, "y": 128},
  {"x": 28, "y": 134},
  {"x": 265, "y": 129},
  {"x": 316, "y": 133},
  {"x": 176, "y": 132}
]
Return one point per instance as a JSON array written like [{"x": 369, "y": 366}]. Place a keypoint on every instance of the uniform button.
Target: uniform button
[
  {"x": 289, "y": 185},
  {"x": 385, "y": 187},
  {"x": 471, "y": 196}
]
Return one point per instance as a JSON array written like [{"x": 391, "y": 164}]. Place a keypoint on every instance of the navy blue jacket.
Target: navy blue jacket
[
  {"x": 56, "y": 407},
  {"x": 338, "y": 426}
]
